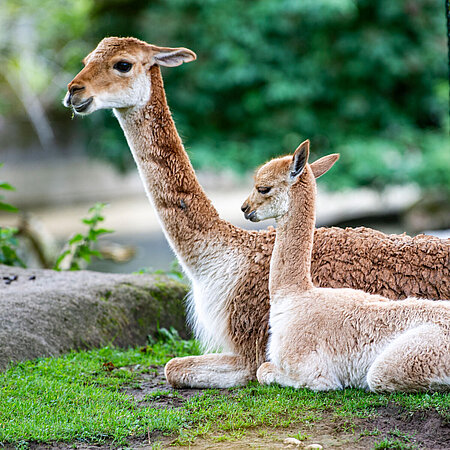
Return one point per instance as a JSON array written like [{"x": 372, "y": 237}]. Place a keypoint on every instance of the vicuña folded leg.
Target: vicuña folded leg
[
  {"x": 417, "y": 360},
  {"x": 214, "y": 370}
]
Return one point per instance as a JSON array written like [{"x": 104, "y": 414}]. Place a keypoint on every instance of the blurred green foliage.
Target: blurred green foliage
[
  {"x": 9, "y": 246},
  {"x": 364, "y": 78},
  {"x": 8, "y": 241}
]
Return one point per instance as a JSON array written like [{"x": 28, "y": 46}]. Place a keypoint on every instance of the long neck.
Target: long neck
[
  {"x": 185, "y": 212},
  {"x": 290, "y": 266}
]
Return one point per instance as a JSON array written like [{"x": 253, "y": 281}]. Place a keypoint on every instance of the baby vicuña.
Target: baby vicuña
[{"x": 323, "y": 338}]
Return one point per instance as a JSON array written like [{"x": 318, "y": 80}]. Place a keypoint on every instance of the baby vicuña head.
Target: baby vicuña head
[{"x": 273, "y": 182}]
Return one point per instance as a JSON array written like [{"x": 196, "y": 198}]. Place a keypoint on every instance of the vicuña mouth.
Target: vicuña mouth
[
  {"x": 252, "y": 216},
  {"x": 83, "y": 106}
]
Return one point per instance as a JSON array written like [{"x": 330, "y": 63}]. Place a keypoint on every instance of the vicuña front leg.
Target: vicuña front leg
[
  {"x": 214, "y": 370},
  {"x": 314, "y": 379},
  {"x": 418, "y": 360}
]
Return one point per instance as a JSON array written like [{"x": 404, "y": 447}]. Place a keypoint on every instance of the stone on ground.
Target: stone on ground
[{"x": 47, "y": 313}]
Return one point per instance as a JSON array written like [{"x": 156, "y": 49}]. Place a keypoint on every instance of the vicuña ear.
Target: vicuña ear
[
  {"x": 299, "y": 160},
  {"x": 172, "y": 57},
  {"x": 324, "y": 164}
]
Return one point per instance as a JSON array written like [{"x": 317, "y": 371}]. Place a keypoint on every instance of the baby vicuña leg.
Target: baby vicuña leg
[
  {"x": 310, "y": 376},
  {"x": 417, "y": 360}
]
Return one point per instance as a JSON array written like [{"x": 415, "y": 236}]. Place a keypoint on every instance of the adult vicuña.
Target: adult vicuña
[
  {"x": 228, "y": 266},
  {"x": 324, "y": 338}
]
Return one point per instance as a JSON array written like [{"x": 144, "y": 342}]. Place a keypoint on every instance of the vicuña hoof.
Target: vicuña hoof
[{"x": 266, "y": 373}]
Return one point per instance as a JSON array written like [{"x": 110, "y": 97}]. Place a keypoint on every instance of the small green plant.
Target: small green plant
[
  {"x": 7, "y": 187},
  {"x": 174, "y": 272},
  {"x": 155, "y": 395},
  {"x": 402, "y": 441},
  {"x": 8, "y": 247},
  {"x": 8, "y": 240},
  {"x": 22, "y": 445},
  {"x": 366, "y": 432},
  {"x": 300, "y": 436},
  {"x": 80, "y": 247},
  {"x": 172, "y": 339},
  {"x": 394, "y": 444},
  {"x": 78, "y": 251},
  {"x": 399, "y": 434}
]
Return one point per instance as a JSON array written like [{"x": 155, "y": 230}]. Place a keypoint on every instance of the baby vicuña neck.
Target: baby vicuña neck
[{"x": 290, "y": 267}]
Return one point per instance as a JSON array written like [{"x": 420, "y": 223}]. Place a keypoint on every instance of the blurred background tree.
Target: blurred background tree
[{"x": 364, "y": 78}]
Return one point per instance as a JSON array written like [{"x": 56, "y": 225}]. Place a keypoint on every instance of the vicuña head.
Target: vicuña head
[
  {"x": 116, "y": 74},
  {"x": 272, "y": 182}
]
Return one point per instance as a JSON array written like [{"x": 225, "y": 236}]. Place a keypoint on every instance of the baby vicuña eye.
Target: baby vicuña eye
[
  {"x": 264, "y": 190},
  {"x": 123, "y": 66}
]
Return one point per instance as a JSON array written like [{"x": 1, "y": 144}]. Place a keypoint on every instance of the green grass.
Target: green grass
[
  {"x": 392, "y": 444},
  {"x": 402, "y": 441},
  {"x": 77, "y": 397}
]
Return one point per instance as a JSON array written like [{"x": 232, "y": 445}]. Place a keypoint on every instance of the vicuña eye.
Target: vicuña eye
[
  {"x": 264, "y": 190},
  {"x": 123, "y": 66}
]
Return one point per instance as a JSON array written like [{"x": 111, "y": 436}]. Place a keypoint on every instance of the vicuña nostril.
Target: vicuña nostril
[{"x": 75, "y": 88}]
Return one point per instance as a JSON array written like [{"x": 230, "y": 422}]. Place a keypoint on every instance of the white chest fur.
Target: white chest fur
[{"x": 213, "y": 287}]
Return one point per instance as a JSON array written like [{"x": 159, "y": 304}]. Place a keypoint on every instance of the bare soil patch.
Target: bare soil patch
[
  {"x": 426, "y": 428},
  {"x": 155, "y": 390}
]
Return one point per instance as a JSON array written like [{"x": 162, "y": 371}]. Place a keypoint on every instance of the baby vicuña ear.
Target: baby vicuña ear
[
  {"x": 324, "y": 164},
  {"x": 172, "y": 57},
  {"x": 299, "y": 161}
]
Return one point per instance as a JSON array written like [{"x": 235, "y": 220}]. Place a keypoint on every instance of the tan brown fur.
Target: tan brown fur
[
  {"x": 325, "y": 338},
  {"x": 210, "y": 248}
]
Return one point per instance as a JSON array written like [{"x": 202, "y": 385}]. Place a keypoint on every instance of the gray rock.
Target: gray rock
[{"x": 46, "y": 313}]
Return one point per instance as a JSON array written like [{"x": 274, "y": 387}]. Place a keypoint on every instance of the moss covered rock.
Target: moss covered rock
[{"x": 46, "y": 313}]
